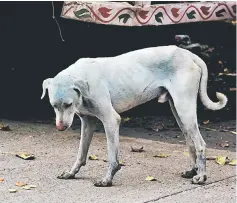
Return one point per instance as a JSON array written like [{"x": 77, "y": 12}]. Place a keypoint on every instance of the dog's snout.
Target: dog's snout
[{"x": 61, "y": 126}]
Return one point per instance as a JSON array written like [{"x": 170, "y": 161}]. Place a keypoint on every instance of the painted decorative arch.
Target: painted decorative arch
[{"x": 142, "y": 14}]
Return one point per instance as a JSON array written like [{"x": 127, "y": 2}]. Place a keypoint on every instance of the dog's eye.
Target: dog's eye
[
  {"x": 55, "y": 106},
  {"x": 67, "y": 105}
]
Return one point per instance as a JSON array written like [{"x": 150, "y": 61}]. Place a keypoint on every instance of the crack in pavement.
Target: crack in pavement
[{"x": 189, "y": 189}]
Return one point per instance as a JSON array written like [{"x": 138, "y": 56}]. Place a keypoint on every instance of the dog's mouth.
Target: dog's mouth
[{"x": 62, "y": 128}]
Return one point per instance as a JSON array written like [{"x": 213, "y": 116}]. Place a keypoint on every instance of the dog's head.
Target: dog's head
[{"x": 63, "y": 96}]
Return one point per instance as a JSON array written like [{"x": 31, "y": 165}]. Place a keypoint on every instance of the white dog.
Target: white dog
[{"x": 104, "y": 87}]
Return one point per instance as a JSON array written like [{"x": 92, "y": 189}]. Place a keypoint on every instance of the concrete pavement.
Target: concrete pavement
[{"x": 56, "y": 151}]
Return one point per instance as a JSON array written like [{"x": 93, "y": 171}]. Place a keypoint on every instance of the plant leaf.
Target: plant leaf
[
  {"x": 81, "y": 12},
  {"x": 221, "y": 160},
  {"x": 25, "y": 156},
  {"x": 1, "y": 179},
  {"x": 150, "y": 178},
  {"x": 84, "y": 16},
  {"x": 191, "y": 14},
  {"x": 206, "y": 122},
  {"x": 232, "y": 162},
  {"x": 161, "y": 155},
  {"x": 26, "y": 187},
  {"x": 20, "y": 184},
  {"x": 125, "y": 17},
  {"x": 93, "y": 157},
  {"x": 186, "y": 153},
  {"x": 158, "y": 17},
  {"x": 12, "y": 190}
]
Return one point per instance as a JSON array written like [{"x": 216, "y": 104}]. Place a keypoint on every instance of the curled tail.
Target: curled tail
[{"x": 203, "y": 87}]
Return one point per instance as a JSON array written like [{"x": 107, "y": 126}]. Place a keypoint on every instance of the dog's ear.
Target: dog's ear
[
  {"x": 82, "y": 88},
  {"x": 45, "y": 86}
]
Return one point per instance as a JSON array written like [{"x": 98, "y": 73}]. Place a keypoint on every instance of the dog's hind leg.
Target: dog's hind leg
[
  {"x": 191, "y": 148},
  {"x": 186, "y": 110},
  {"x": 88, "y": 126}
]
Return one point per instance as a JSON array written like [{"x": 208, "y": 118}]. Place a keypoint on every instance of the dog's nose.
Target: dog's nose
[{"x": 61, "y": 126}]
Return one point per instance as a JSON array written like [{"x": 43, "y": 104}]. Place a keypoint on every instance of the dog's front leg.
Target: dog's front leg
[
  {"x": 111, "y": 124},
  {"x": 88, "y": 126}
]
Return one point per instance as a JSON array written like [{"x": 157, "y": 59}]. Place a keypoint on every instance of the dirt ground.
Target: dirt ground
[{"x": 56, "y": 151}]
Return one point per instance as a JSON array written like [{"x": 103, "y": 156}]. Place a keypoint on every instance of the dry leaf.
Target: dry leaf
[
  {"x": 232, "y": 162},
  {"x": 161, "y": 155},
  {"x": 121, "y": 163},
  {"x": 221, "y": 160},
  {"x": 225, "y": 144},
  {"x": 220, "y": 62},
  {"x": 25, "y": 156},
  {"x": 93, "y": 157},
  {"x": 32, "y": 186},
  {"x": 226, "y": 70},
  {"x": 126, "y": 119},
  {"x": 231, "y": 74},
  {"x": 12, "y": 190},
  {"x": 134, "y": 149},
  {"x": 26, "y": 187},
  {"x": 206, "y": 122},
  {"x": 4, "y": 127},
  {"x": 1, "y": 179},
  {"x": 186, "y": 153},
  {"x": 20, "y": 184},
  {"x": 150, "y": 178}
]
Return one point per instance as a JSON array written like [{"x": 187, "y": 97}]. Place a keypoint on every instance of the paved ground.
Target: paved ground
[{"x": 56, "y": 151}]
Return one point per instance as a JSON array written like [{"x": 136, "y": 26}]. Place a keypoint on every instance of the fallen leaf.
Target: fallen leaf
[
  {"x": 12, "y": 190},
  {"x": 206, "y": 122},
  {"x": 4, "y": 127},
  {"x": 134, "y": 149},
  {"x": 121, "y": 163},
  {"x": 26, "y": 156},
  {"x": 161, "y": 155},
  {"x": 20, "y": 184},
  {"x": 32, "y": 186},
  {"x": 221, "y": 160},
  {"x": 211, "y": 158},
  {"x": 126, "y": 119},
  {"x": 231, "y": 74},
  {"x": 226, "y": 70},
  {"x": 186, "y": 153},
  {"x": 1, "y": 179},
  {"x": 225, "y": 144},
  {"x": 150, "y": 178},
  {"x": 93, "y": 157},
  {"x": 26, "y": 187},
  {"x": 220, "y": 62},
  {"x": 220, "y": 74},
  {"x": 232, "y": 162}
]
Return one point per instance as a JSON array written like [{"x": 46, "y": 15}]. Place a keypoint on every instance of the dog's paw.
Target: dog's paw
[
  {"x": 66, "y": 175},
  {"x": 189, "y": 174},
  {"x": 199, "y": 179},
  {"x": 103, "y": 184}
]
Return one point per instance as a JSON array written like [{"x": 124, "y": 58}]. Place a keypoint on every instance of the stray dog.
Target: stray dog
[{"x": 104, "y": 87}]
